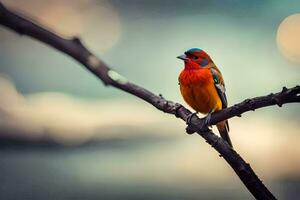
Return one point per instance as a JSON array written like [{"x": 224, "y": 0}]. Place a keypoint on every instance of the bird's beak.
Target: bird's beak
[{"x": 182, "y": 57}]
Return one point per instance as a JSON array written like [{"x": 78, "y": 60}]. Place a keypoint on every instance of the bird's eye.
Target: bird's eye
[{"x": 195, "y": 57}]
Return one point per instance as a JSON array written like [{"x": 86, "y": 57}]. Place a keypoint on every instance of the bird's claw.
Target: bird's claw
[
  {"x": 189, "y": 117},
  {"x": 189, "y": 129},
  {"x": 207, "y": 120}
]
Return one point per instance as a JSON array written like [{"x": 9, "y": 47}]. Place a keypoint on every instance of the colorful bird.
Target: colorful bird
[{"x": 202, "y": 87}]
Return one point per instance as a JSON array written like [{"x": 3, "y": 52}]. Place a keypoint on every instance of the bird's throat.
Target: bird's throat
[{"x": 188, "y": 65}]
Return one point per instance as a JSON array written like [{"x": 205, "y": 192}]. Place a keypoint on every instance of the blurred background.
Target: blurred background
[{"x": 63, "y": 135}]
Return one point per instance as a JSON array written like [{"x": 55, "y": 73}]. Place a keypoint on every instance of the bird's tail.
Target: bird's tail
[{"x": 223, "y": 128}]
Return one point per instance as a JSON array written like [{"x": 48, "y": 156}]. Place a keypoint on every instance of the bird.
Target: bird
[{"x": 202, "y": 87}]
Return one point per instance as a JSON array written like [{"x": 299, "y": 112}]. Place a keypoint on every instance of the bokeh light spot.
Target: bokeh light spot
[
  {"x": 288, "y": 38},
  {"x": 98, "y": 23}
]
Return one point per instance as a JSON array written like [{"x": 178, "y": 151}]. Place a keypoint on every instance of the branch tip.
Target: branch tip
[
  {"x": 250, "y": 103},
  {"x": 76, "y": 40},
  {"x": 161, "y": 96},
  {"x": 284, "y": 89},
  {"x": 277, "y": 101},
  {"x": 248, "y": 100}
]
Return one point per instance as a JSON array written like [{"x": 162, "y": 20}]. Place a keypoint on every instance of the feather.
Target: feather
[{"x": 219, "y": 84}]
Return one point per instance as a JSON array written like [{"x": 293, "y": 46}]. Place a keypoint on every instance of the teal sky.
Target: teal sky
[
  {"x": 240, "y": 36},
  {"x": 153, "y": 33}
]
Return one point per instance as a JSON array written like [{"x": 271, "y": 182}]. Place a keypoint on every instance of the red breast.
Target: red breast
[{"x": 195, "y": 76}]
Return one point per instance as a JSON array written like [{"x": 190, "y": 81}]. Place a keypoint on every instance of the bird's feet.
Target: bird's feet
[
  {"x": 189, "y": 118},
  {"x": 189, "y": 129},
  {"x": 208, "y": 118}
]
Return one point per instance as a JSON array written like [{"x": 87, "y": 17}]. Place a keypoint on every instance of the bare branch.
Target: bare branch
[
  {"x": 74, "y": 48},
  {"x": 291, "y": 95}
]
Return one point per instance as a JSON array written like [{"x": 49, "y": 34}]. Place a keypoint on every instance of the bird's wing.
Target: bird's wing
[
  {"x": 219, "y": 84},
  {"x": 223, "y": 127}
]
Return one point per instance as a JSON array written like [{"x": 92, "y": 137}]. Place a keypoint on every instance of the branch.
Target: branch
[
  {"x": 291, "y": 95},
  {"x": 74, "y": 48}
]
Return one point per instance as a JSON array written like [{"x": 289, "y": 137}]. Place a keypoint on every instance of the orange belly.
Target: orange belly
[{"x": 198, "y": 90}]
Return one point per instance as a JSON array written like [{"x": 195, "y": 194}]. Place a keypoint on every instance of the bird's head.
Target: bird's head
[{"x": 195, "y": 58}]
